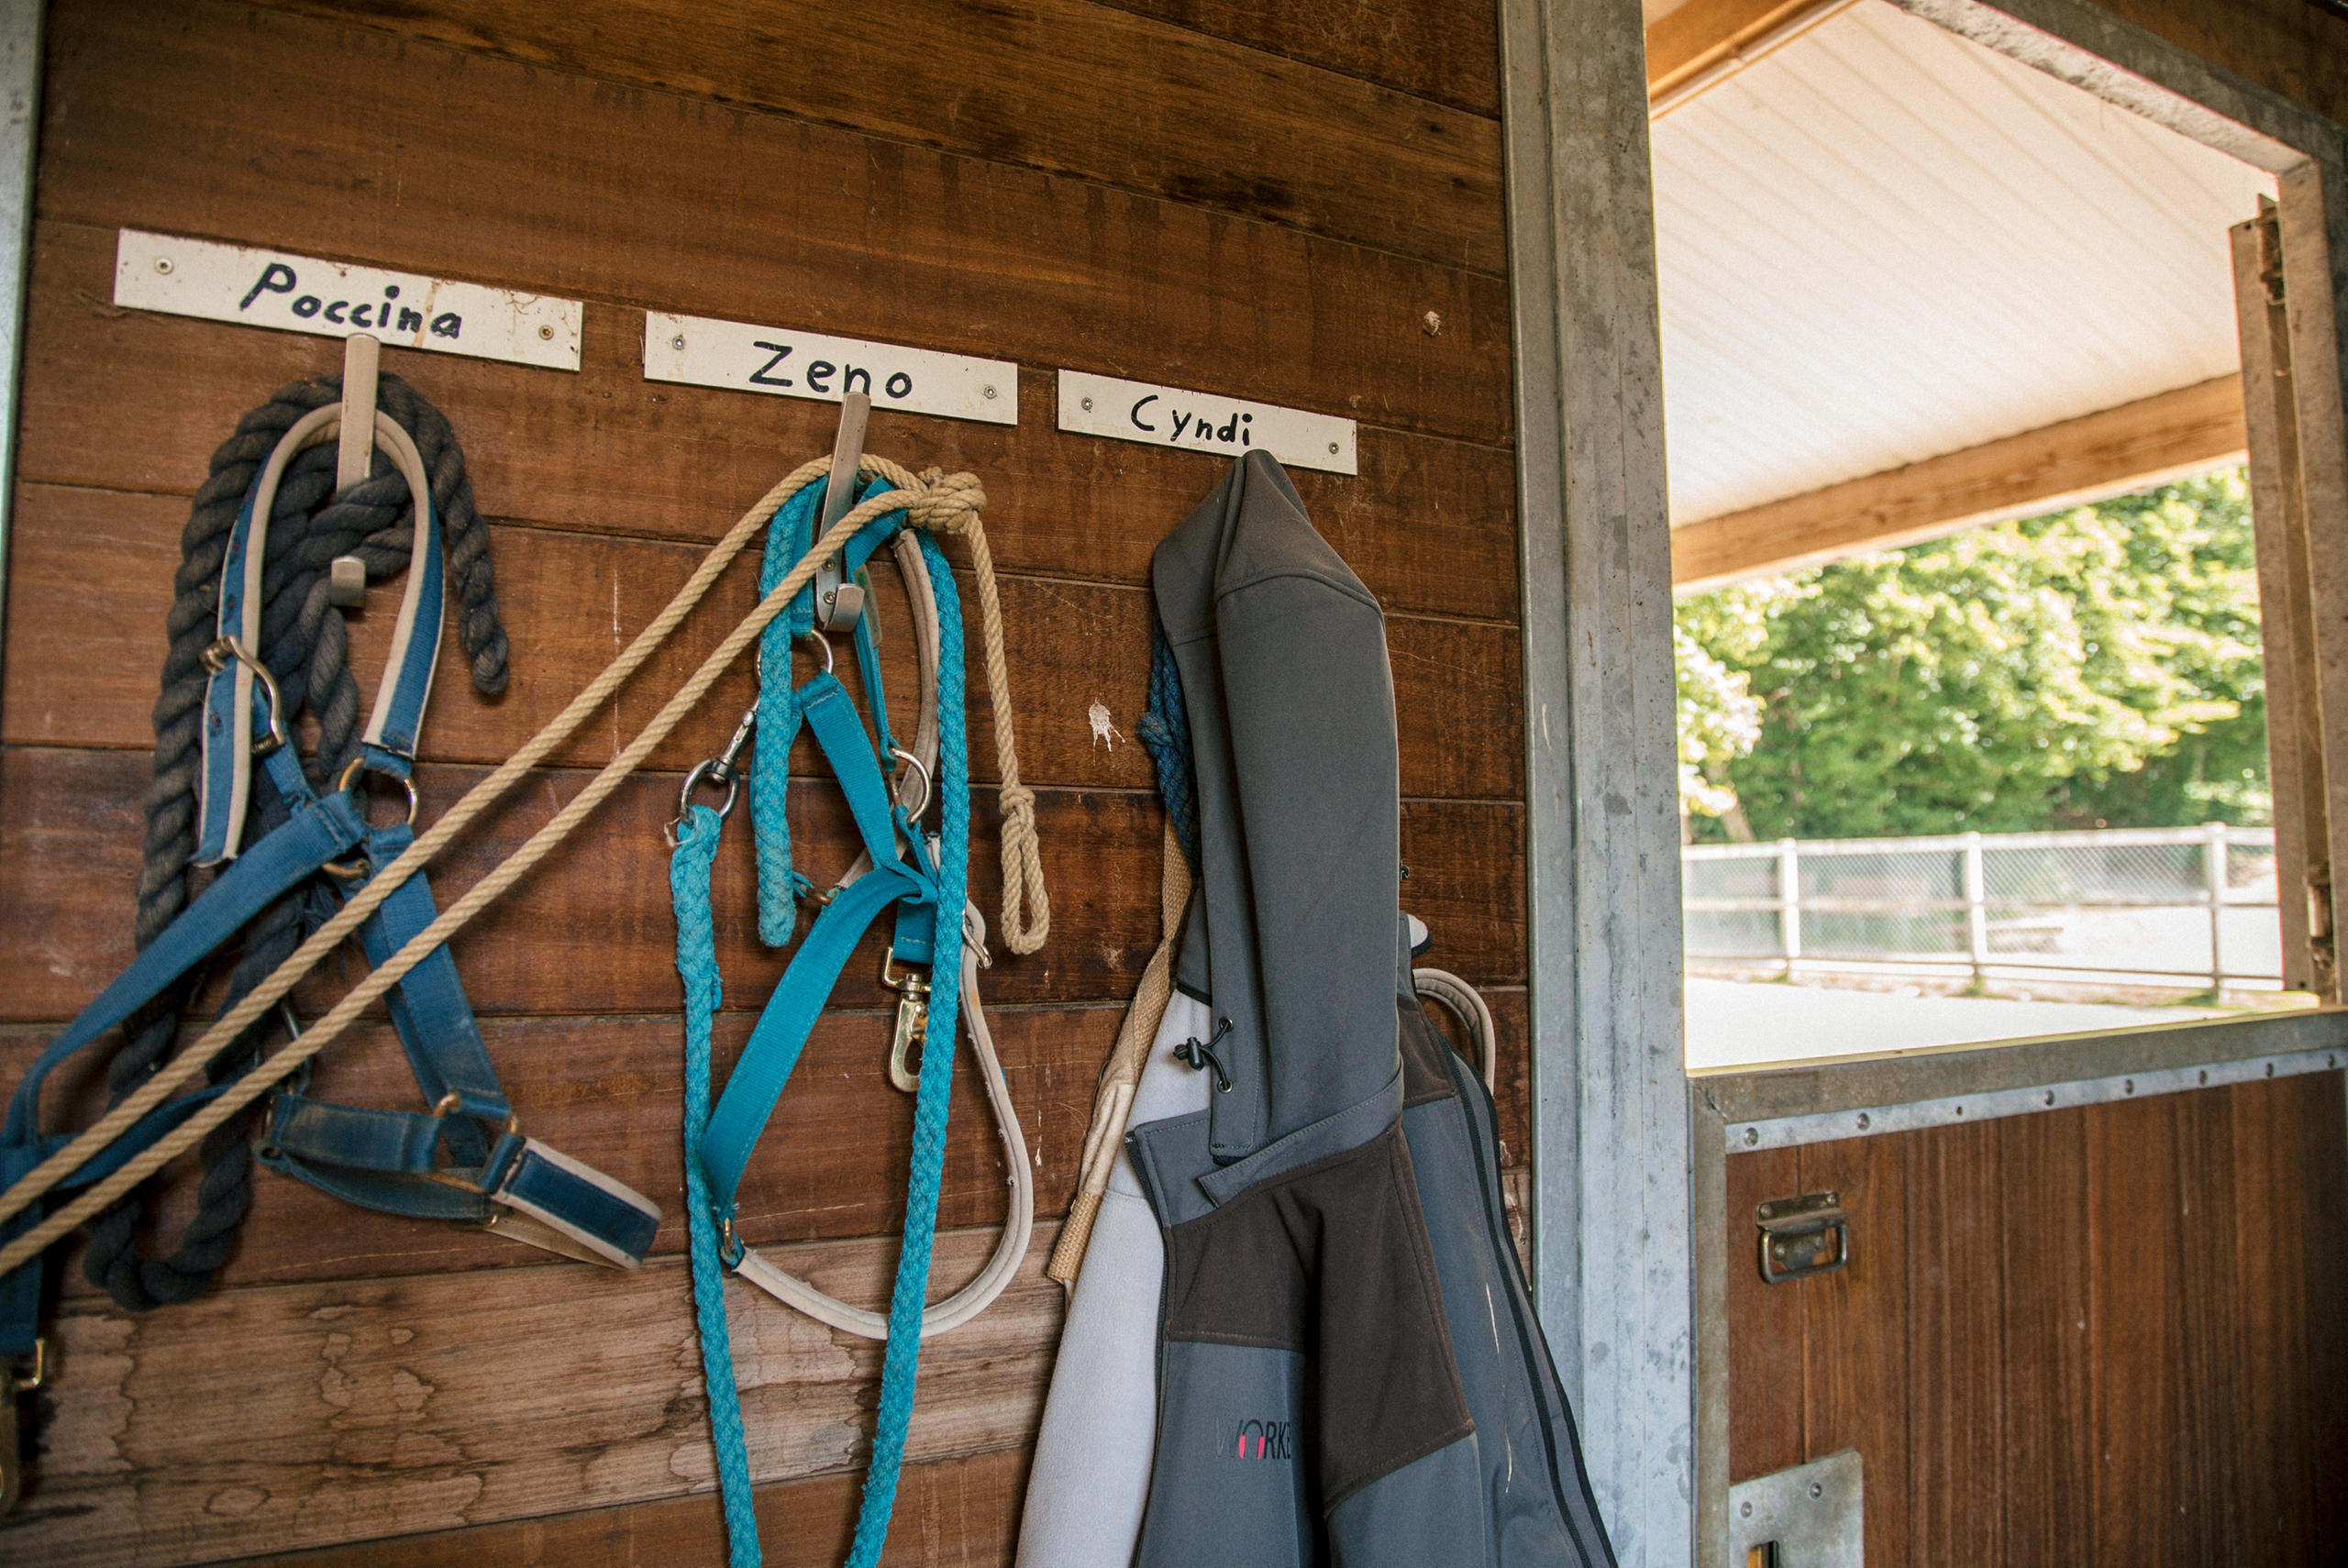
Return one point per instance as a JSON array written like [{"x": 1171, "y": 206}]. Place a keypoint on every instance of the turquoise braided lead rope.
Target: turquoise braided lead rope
[
  {"x": 930, "y": 1102},
  {"x": 697, "y": 963},
  {"x": 789, "y": 536}
]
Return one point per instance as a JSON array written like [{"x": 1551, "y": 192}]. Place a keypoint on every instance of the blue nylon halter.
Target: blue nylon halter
[
  {"x": 718, "y": 1144},
  {"x": 379, "y": 1159}
]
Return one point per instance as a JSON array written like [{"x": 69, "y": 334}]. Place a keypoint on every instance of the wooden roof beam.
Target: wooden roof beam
[
  {"x": 2170, "y": 435},
  {"x": 1707, "y": 41}
]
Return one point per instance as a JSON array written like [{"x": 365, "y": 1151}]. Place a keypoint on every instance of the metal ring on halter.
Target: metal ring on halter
[
  {"x": 712, "y": 770},
  {"x": 215, "y": 659},
  {"x": 349, "y": 870},
  {"x": 822, "y": 641},
  {"x": 448, "y": 1102},
  {"x": 913, "y": 813}
]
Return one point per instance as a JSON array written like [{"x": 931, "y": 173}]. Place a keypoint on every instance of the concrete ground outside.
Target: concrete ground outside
[{"x": 1734, "y": 1023}]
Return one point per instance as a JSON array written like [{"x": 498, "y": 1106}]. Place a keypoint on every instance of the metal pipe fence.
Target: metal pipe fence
[{"x": 2122, "y": 903}]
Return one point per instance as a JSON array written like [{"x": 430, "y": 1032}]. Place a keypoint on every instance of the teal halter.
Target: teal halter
[{"x": 923, "y": 879}]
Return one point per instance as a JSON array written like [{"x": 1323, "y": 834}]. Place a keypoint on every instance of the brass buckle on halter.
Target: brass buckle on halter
[
  {"x": 215, "y": 659},
  {"x": 913, "y": 1020},
  {"x": 16, "y": 1379}
]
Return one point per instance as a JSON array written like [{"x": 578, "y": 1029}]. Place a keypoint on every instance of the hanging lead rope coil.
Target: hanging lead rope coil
[{"x": 306, "y": 653}]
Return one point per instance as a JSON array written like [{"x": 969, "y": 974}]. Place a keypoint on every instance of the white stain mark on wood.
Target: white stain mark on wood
[{"x": 1103, "y": 730}]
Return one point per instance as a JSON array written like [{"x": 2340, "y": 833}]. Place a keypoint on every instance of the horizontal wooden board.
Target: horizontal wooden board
[
  {"x": 2289, "y": 47},
  {"x": 950, "y": 1513},
  {"x": 590, "y": 930},
  {"x": 2154, "y": 440},
  {"x": 282, "y": 1417},
  {"x": 1444, "y": 49},
  {"x": 610, "y": 1091},
  {"x": 133, "y": 401},
  {"x": 84, "y": 648},
  {"x": 1196, "y": 118},
  {"x": 357, "y": 145}
]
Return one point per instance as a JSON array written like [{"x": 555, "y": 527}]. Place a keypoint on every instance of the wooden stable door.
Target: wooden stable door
[{"x": 2108, "y": 1334}]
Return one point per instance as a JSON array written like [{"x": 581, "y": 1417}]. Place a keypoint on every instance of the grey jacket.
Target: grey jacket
[{"x": 1348, "y": 1369}]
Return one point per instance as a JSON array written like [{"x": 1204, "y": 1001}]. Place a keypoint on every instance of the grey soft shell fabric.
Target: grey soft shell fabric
[{"x": 1348, "y": 1371}]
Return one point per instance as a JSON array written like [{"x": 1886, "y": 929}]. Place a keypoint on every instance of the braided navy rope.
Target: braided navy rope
[
  {"x": 1165, "y": 734},
  {"x": 305, "y": 645}
]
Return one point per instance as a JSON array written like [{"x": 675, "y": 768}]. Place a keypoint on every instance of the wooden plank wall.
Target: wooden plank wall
[
  {"x": 1278, "y": 201},
  {"x": 2295, "y": 48},
  {"x": 2107, "y": 1335}
]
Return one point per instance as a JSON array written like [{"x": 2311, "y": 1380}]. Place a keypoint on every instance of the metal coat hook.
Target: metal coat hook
[
  {"x": 354, "y": 456},
  {"x": 839, "y": 599}
]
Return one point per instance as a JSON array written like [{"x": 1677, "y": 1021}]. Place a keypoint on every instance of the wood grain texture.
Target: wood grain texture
[
  {"x": 1196, "y": 119},
  {"x": 1856, "y": 1390},
  {"x": 590, "y": 930},
  {"x": 2157, "y": 439},
  {"x": 2111, "y": 1341},
  {"x": 2287, "y": 611},
  {"x": 1699, "y": 34},
  {"x": 831, "y": 1165},
  {"x": 2133, "y": 1314},
  {"x": 952, "y": 1513},
  {"x": 2287, "y": 46},
  {"x": 84, "y": 648},
  {"x": 358, "y": 145},
  {"x": 2043, "y": 1259},
  {"x": 1444, "y": 49},
  {"x": 1956, "y": 1352},
  {"x": 1764, "y": 1346},
  {"x": 430, "y": 1403},
  {"x": 1429, "y": 522}
]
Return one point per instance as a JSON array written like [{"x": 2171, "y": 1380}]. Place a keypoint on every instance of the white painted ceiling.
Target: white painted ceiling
[{"x": 1881, "y": 243}]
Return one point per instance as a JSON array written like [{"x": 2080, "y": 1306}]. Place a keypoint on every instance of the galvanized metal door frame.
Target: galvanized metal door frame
[
  {"x": 1611, "y": 1153},
  {"x": 2138, "y": 71},
  {"x": 20, "y": 73}
]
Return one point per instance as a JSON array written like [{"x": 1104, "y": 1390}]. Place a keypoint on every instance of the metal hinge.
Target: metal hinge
[
  {"x": 2270, "y": 249},
  {"x": 1813, "y": 1516},
  {"x": 1803, "y": 1236}
]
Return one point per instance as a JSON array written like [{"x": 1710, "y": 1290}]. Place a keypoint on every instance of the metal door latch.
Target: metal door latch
[{"x": 1803, "y": 1236}]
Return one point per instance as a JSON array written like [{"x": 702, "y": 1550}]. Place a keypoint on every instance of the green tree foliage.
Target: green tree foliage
[{"x": 2096, "y": 667}]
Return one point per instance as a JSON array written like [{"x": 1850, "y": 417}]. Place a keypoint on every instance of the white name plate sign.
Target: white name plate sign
[
  {"x": 1200, "y": 422},
  {"x": 302, "y": 294},
  {"x": 786, "y": 363}
]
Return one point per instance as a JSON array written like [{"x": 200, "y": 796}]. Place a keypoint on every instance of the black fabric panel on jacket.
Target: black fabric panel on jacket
[{"x": 1332, "y": 1261}]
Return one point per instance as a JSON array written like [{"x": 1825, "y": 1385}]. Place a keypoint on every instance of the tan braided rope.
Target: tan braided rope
[
  {"x": 1112, "y": 1102},
  {"x": 933, "y": 501},
  {"x": 1026, "y": 908}
]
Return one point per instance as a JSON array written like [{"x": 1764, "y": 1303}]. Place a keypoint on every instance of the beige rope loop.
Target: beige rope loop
[
  {"x": 948, "y": 494},
  {"x": 950, "y": 504}
]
